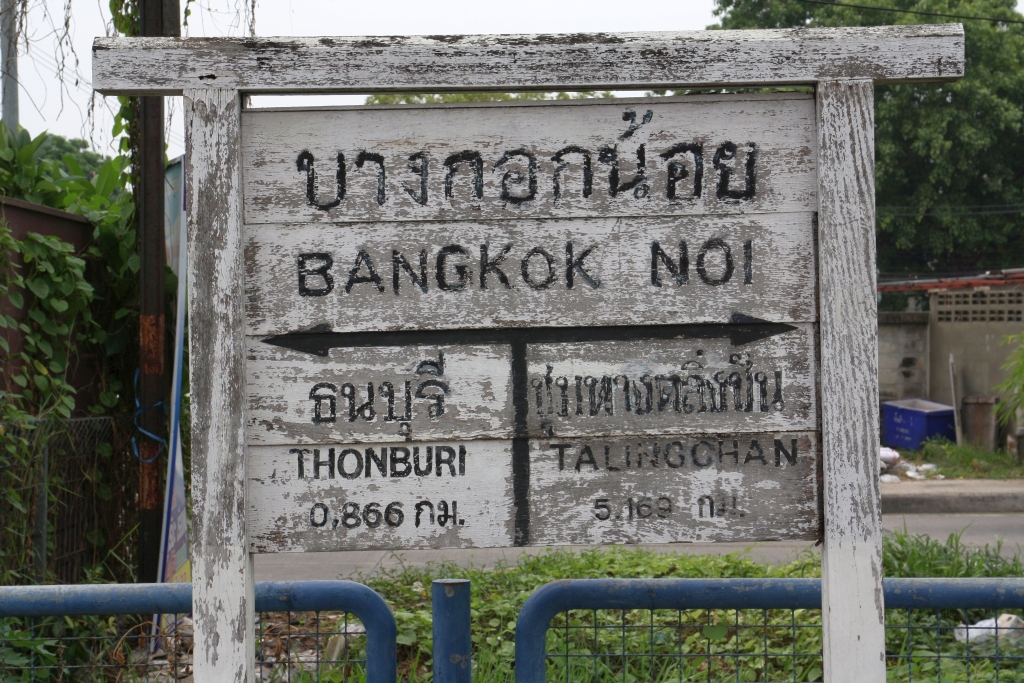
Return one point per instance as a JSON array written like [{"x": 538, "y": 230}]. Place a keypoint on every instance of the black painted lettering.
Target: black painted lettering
[
  {"x": 681, "y": 454},
  {"x": 727, "y": 152},
  {"x": 706, "y": 500},
  {"x": 680, "y": 272},
  {"x": 436, "y": 407},
  {"x": 371, "y": 458},
  {"x": 588, "y": 460},
  {"x": 399, "y": 462},
  {"x": 420, "y": 165},
  {"x": 515, "y": 177},
  {"x": 462, "y": 460},
  {"x": 607, "y": 464},
  {"x": 321, "y": 392},
  {"x": 304, "y": 164},
  {"x": 363, "y": 260},
  {"x": 610, "y": 156},
  {"x": 461, "y": 270},
  {"x": 560, "y": 447},
  {"x": 399, "y": 262},
  {"x": 748, "y": 262},
  {"x": 355, "y": 409},
  {"x": 728, "y": 266},
  {"x": 420, "y": 507},
  {"x": 574, "y": 266},
  {"x": 375, "y": 158},
  {"x": 735, "y": 452},
  {"x": 328, "y": 463},
  {"x": 490, "y": 265},
  {"x": 525, "y": 269},
  {"x": 630, "y": 116},
  {"x": 423, "y": 471},
  {"x": 453, "y": 162},
  {"x": 588, "y": 177},
  {"x": 321, "y": 270},
  {"x": 677, "y": 171},
  {"x": 355, "y": 472},
  {"x": 710, "y": 453},
  {"x": 445, "y": 455},
  {"x": 780, "y": 450},
  {"x": 777, "y": 401},
  {"x": 300, "y": 454},
  {"x": 755, "y": 447}
]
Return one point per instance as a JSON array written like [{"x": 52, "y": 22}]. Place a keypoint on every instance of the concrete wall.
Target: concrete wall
[
  {"x": 903, "y": 368},
  {"x": 970, "y": 325}
]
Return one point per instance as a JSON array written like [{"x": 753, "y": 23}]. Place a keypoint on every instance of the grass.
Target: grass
[{"x": 967, "y": 461}]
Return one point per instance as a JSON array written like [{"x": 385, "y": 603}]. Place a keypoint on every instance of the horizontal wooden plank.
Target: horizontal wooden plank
[
  {"x": 468, "y": 487},
  {"x": 573, "y": 388},
  {"x": 622, "y": 273},
  {"x": 673, "y": 386},
  {"x": 636, "y": 157},
  {"x": 738, "y": 488},
  {"x": 732, "y": 487},
  {"x": 378, "y": 394},
  {"x": 597, "y": 61}
]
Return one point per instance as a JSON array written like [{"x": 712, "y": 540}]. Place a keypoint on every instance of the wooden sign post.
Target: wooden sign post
[{"x": 583, "y": 322}]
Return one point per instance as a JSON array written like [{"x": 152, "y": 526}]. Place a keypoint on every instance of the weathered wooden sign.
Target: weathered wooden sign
[
  {"x": 603, "y": 321},
  {"x": 569, "y": 277}
]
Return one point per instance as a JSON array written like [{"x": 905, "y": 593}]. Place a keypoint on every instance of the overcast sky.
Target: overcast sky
[{"x": 45, "y": 105}]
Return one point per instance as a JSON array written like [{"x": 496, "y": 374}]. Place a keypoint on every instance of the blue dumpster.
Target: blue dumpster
[{"x": 908, "y": 423}]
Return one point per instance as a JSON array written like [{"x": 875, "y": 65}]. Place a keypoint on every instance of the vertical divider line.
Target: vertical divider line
[{"x": 520, "y": 443}]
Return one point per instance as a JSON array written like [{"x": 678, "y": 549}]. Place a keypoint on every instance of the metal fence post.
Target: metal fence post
[{"x": 452, "y": 644}]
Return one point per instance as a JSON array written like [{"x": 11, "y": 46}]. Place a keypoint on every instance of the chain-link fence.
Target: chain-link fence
[
  {"x": 71, "y": 497},
  {"x": 332, "y": 631},
  {"x": 758, "y": 630},
  {"x": 290, "y": 646}
]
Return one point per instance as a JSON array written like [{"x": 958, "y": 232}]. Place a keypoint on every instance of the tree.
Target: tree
[{"x": 949, "y": 171}]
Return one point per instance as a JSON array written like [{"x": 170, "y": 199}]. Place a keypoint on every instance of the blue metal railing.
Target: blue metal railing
[
  {"x": 731, "y": 594},
  {"x": 271, "y": 596}
]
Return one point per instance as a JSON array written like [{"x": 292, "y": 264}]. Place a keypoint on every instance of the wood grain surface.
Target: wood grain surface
[
  {"x": 597, "y": 61},
  {"x": 460, "y": 494},
  {"x": 635, "y": 157},
  {"x": 222, "y": 578},
  {"x": 681, "y": 270},
  {"x": 851, "y": 590}
]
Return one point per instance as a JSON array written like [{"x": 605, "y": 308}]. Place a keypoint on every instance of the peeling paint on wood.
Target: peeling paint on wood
[
  {"x": 460, "y": 494},
  {"x": 579, "y": 61},
  {"x": 584, "y": 158},
  {"x": 222, "y": 583},
  {"x": 851, "y": 590},
  {"x": 400, "y": 276}
]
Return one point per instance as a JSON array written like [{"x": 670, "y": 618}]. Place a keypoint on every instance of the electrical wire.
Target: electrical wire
[{"x": 911, "y": 11}]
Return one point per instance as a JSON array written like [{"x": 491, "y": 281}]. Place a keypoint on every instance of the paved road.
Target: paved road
[{"x": 978, "y": 530}]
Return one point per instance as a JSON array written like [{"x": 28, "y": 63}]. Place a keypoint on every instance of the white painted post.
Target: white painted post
[
  {"x": 851, "y": 587},
  {"x": 222, "y": 586}
]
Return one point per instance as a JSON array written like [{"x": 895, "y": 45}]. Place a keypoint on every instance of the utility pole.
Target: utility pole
[
  {"x": 9, "y": 56},
  {"x": 157, "y": 18}
]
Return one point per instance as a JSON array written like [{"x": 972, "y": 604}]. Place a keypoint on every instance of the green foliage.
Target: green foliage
[
  {"x": 448, "y": 98},
  {"x": 499, "y": 593},
  {"x": 945, "y": 152},
  {"x": 1012, "y": 389}
]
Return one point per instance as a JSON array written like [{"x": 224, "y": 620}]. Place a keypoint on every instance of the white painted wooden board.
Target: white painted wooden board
[
  {"x": 582, "y": 388},
  {"x": 460, "y": 494},
  {"x": 472, "y": 479},
  {"x": 683, "y": 386},
  {"x": 625, "y": 279},
  {"x": 472, "y": 162},
  {"x": 725, "y": 487},
  {"x": 435, "y": 392},
  {"x": 853, "y": 614},
  {"x": 598, "y": 61}
]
